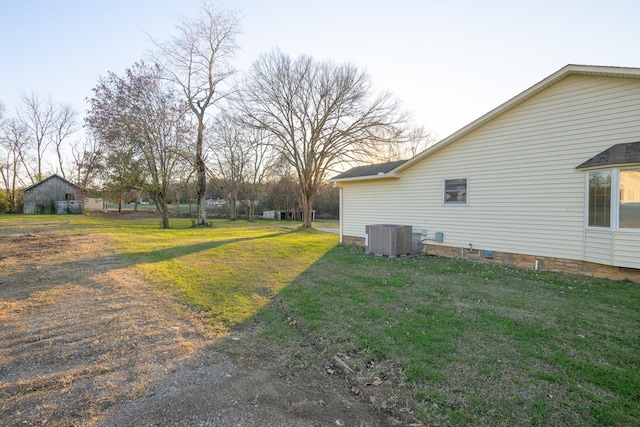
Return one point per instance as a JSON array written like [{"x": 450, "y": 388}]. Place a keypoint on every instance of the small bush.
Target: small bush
[{"x": 5, "y": 206}]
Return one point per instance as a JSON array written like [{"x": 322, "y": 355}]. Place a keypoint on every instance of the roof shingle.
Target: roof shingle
[
  {"x": 369, "y": 170},
  {"x": 619, "y": 154}
]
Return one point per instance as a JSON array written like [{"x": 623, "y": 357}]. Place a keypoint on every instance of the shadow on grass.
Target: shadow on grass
[
  {"x": 19, "y": 285},
  {"x": 180, "y": 251},
  {"x": 90, "y": 347}
]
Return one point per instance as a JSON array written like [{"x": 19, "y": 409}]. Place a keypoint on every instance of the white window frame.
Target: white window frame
[
  {"x": 444, "y": 193},
  {"x": 614, "y": 224}
]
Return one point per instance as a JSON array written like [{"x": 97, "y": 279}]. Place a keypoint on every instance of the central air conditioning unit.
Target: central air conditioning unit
[{"x": 388, "y": 239}]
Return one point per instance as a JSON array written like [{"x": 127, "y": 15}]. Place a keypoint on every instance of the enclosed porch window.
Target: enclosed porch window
[
  {"x": 600, "y": 199},
  {"x": 614, "y": 198},
  {"x": 614, "y": 187},
  {"x": 629, "y": 207}
]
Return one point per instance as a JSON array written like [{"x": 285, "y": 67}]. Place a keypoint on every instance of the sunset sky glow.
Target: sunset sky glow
[{"x": 449, "y": 62}]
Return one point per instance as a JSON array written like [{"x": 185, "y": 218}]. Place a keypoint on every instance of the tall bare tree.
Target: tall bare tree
[
  {"x": 38, "y": 114},
  {"x": 198, "y": 61},
  {"x": 242, "y": 159},
  {"x": 64, "y": 125},
  {"x": 48, "y": 123},
  {"x": 228, "y": 147},
  {"x": 319, "y": 113},
  {"x": 14, "y": 141},
  {"x": 140, "y": 115},
  {"x": 261, "y": 162}
]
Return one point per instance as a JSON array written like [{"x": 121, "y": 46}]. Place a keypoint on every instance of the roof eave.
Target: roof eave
[
  {"x": 608, "y": 166},
  {"x": 51, "y": 177},
  {"x": 387, "y": 175}
]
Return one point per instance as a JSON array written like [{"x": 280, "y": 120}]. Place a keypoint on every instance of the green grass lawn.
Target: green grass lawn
[{"x": 476, "y": 344}]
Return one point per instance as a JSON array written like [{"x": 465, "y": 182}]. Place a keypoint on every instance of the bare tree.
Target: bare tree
[
  {"x": 198, "y": 61},
  {"x": 401, "y": 146},
  {"x": 4, "y": 204},
  {"x": 327, "y": 203},
  {"x": 282, "y": 189},
  {"x": 140, "y": 116},
  {"x": 183, "y": 188},
  {"x": 38, "y": 115},
  {"x": 261, "y": 161},
  {"x": 319, "y": 113},
  {"x": 64, "y": 126},
  {"x": 230, "y": 154},
  {"x": 243, "y": 160},
  {"x": 87, "y": 156},
  {"x": 2, "y": 128},
  {"x": 48, "y": 123},
  {"x": 14, "y": 140}
]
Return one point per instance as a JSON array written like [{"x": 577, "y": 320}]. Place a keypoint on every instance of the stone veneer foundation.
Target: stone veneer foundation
[{"x": 559, "y": 265}]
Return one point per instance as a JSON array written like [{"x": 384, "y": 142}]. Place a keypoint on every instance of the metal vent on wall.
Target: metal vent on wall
[{"x": 388, "y": 239}]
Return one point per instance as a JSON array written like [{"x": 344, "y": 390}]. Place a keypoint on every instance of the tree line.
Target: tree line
[{"x": 185, "y": 118}]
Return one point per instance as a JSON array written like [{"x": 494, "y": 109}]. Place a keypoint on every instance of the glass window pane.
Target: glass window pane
[
  {"x": 630, "y": 199},
  {"x": 455, "y": 191},
  {"x": 600, "y": 198}
]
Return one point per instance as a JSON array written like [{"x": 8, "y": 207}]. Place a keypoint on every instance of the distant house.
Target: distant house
[
  {"x": 550, "y": 180},
  {"x": 53, "y": 195},
  {"x": 97, "y": 204}
]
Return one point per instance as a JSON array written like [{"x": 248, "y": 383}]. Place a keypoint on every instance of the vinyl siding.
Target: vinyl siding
[
  {"x": 524, "y": 193},
  {"x": 598, "y": 246},
  {"x": 361, "y": 207},
  {"x": 626, "y": 249}
]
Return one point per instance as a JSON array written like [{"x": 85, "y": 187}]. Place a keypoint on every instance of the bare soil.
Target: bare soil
[{"x": 86, "y": 342}]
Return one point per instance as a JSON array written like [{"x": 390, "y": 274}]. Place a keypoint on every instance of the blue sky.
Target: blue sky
[{"x": 449, "y": 62}]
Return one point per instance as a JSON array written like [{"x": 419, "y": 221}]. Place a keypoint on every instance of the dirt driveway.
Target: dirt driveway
[{"x": 85, "y": 342}]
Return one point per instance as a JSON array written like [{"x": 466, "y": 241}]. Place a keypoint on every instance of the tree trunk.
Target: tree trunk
[
  {"x": 39, "y": 176},
  {"x": 233, "y": 208},
  {"x": 60, "y": 161},
  {"x": 165, "y": 217},
  {"x": 307, "y": 216},
  {"x": 201, "y": 172},
  {"x": 13, "y": 188},
  {"x": 162, "y": 206},
  {"x": 252, "y": 209}
]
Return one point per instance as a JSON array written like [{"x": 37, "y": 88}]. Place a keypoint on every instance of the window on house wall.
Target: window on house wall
[
  {"x": 629, "y": 206},
  {"x": 614, "y": 198},
  {"x": 600, "y": 198},
  {"x": 455, "y": 191}
]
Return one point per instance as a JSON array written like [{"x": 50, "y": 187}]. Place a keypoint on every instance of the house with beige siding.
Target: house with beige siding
[{"x": 549, "y": 180}]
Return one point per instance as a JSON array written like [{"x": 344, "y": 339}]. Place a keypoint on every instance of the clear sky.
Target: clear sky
[{"x": 448, "y": 61}]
